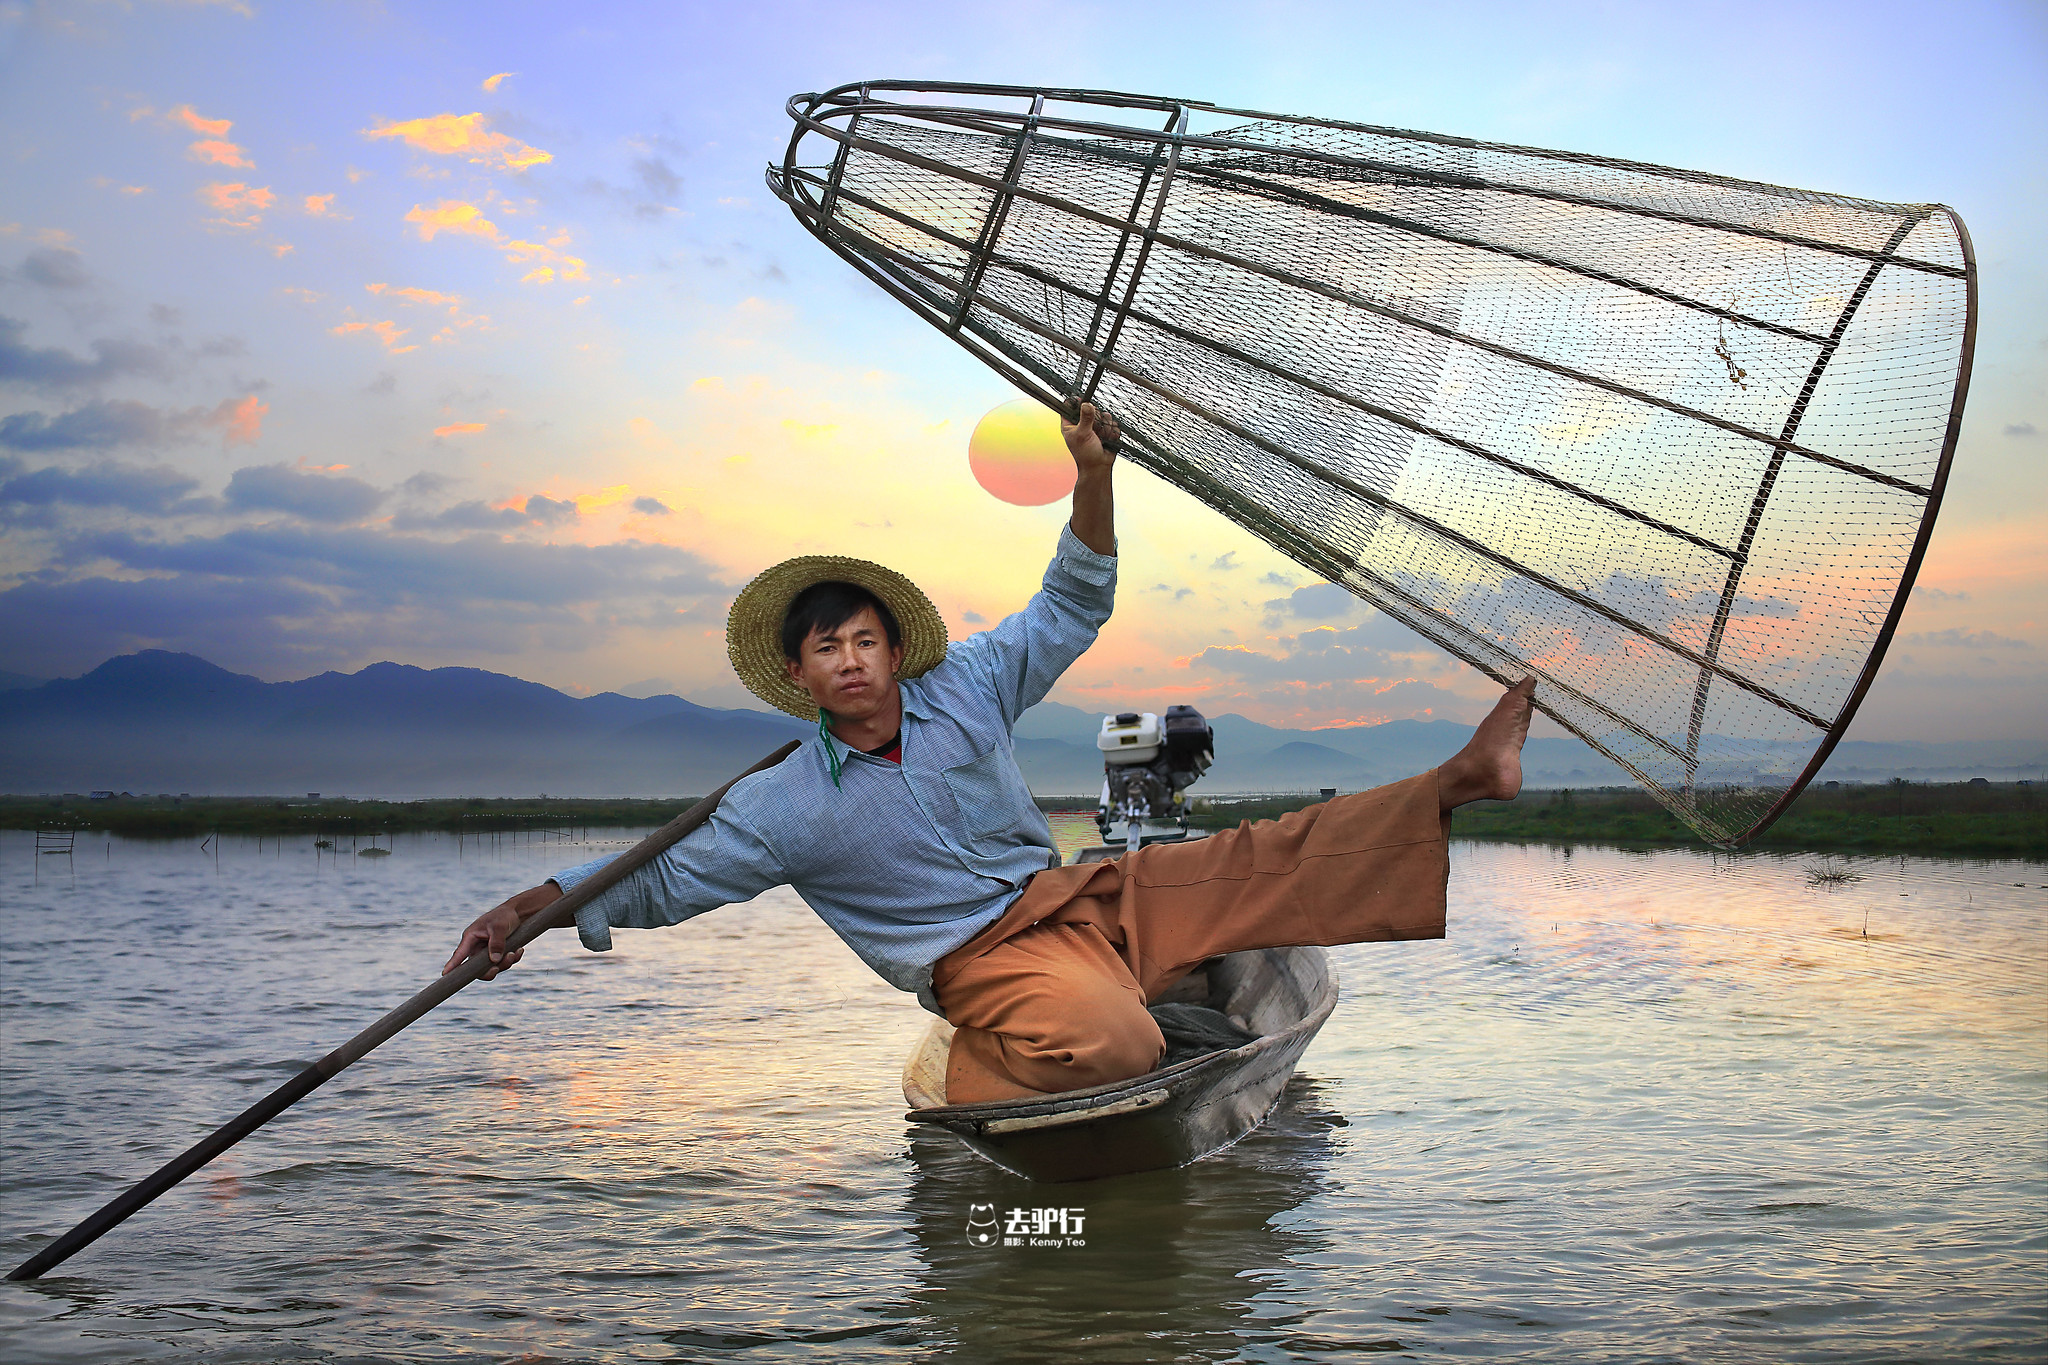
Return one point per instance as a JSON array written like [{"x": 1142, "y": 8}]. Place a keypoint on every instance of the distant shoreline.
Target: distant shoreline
[
  {"x": 1957, "y": 819},
  {"x": 1952, "y": 819}
]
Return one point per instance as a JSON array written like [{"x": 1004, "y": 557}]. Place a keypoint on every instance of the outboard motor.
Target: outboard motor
[{"x": 1147, "y": 764}]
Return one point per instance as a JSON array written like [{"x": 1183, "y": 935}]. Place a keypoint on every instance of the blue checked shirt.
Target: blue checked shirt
[{"x": 905, "y": 862}]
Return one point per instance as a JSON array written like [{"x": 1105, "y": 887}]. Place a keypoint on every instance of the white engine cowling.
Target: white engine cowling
[{"x": 1131, "y": 737}]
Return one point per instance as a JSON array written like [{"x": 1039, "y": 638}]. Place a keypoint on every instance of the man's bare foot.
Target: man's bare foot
[{"x": 1489, "y": 767}]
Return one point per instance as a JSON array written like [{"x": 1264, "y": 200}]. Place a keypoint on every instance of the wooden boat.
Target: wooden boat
[{"x": 1165, "y": 1118}]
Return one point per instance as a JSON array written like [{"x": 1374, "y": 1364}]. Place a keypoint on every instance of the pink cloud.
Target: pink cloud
[
  {"x": 219, "y": 153},
  {"x": 205, "y": 127},
  {"x": 429, "y": 297},
  {"x": 240, "y": 420},
  {"x": 239, "y": 205},
  {"x": 548, "y": 261},
  {"x": 389, "y": 333}
]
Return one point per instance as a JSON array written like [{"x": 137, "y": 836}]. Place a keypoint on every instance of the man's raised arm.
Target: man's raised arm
[{"x": 1094, "y": 515}]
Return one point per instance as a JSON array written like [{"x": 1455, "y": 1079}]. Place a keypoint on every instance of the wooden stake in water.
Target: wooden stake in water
[{"x": 562, "y": 912}]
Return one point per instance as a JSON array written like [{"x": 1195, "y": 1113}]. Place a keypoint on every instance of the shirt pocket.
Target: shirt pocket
[{"x": 987, "y": 790}]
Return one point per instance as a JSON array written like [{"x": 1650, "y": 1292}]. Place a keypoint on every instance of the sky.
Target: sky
[{"x": 463, "y": 334}]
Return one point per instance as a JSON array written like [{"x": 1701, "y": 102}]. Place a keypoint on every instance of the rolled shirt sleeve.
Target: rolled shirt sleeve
[
  {"x": 1021, "y": 659},
  {"x": 721, "y": 862}
]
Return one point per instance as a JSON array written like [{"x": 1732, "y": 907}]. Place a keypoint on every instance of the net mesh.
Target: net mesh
[{"x": 1669, "y": 441}]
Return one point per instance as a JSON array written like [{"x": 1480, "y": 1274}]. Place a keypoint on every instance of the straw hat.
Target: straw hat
[{"x": 753, "y": 629}]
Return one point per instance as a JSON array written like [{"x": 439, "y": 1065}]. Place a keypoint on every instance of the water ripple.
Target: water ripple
[{"x": 1636, "y": 1106}]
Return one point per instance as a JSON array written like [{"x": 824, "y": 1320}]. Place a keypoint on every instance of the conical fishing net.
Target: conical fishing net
[{"x": 1672, "y": 442}]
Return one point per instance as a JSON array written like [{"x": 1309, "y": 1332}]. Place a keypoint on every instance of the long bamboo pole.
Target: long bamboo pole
[{"x": 562, "y": 912}]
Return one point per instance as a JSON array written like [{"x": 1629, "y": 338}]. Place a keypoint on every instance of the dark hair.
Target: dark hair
[{"x": 824, "y": 607}]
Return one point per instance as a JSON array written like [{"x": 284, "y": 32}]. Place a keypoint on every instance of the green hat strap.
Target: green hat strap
[{"x": 831, "y": 754}]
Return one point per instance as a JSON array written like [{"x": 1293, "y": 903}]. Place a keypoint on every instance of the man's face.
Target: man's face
[{"x": 851, "y": 671}]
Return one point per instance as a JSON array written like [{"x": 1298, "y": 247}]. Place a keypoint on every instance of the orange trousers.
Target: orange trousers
[{"x": 1052, "y": 996}]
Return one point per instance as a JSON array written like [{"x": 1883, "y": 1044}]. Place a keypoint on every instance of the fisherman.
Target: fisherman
[{"x": 905, "y": 824}]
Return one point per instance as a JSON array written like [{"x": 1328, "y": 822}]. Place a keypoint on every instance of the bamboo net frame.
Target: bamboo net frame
[{"x": 1670, "y": 441}]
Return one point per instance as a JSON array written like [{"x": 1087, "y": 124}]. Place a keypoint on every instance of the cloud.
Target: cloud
[
  {"x": 102, "y": 425},
  {"x": 212, "y": 146},
  {"x": 96, "y": 426},
  {"x": 467, "y": 136},
  {"x": 490, "y": 84},
  {"x": 55, "y": 268},
  {"x": 1316, "y": 602},
  {"x": 1225, "y": 562},
  {"x": 321, "y": 206},
  {"x": 51, "y": 368},
  {"x": 1363, "y": 674},
  {"x": 453, "y": 215},
  {"x": 240, "y": 421},
  {"x": 316, "y": 497},
  {"x": 974, "y": 618},
  {"x": 657, "y": 179},
  {"x": 653, "y": 196},
  {"x": 462, "y": 429},
  {"x": 1707, "y": 603},
  {"x": 465, "y": 219},
  {"x": 74, "y": 625},
  {"x": 550, "y": 511},
  {"x": 389, "y": 333},
  {"x": 237, "y": 205},
  {"x": 1939, "y": 594},
  {"x": 1963, "y": 639},
  {"x": 218, "y": 153},
  {"x": 2021, "y": 429},
  {"x": 411, "y": 295},
  {"x": 154, "y": 490},
  {"x": 650, "y": 507},
  {"x": 425, "y": 484},
  {"x": 283, "y": 597},
  {"x": 475, "y": 515},
  {"x": 391, "y": 567},
  {"x": 432, "y": 298},
  {"x": 1318, "y": 656},
  {"x": 205, "y": 127}
]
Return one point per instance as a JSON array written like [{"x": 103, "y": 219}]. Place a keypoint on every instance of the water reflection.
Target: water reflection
[{"x": 1174, "y": 1263}]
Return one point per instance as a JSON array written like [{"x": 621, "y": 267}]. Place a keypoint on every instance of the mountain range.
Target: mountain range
[{"x": 158, "y": 721}]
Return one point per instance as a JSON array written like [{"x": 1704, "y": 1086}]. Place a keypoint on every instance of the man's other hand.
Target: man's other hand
[
  {"x": 490, "y": 929},
  {"x": 1089, "y": 437}
]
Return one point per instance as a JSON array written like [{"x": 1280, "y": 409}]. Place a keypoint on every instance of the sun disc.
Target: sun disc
[{"x": 1017, "y": 454}]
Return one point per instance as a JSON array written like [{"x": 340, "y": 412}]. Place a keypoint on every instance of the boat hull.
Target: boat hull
[{"x": 1165, "y": 1118}]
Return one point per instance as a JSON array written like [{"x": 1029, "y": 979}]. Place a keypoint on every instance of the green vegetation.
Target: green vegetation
[
  {"x": 171, "y": 817},
  {"x": 2001, "y": 820}
]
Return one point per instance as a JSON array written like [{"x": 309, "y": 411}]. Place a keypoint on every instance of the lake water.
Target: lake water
[{"x": 1639, "y": 1106}]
